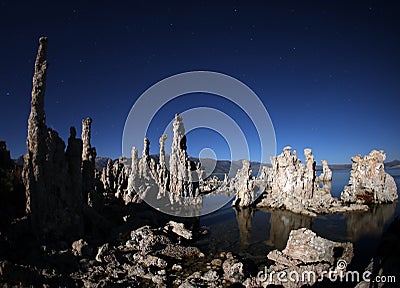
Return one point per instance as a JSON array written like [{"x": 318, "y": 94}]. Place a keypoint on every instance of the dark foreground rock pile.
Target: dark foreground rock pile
[
  {"x": 12, "y": 190},
  {"x": 145, "y": 257}
]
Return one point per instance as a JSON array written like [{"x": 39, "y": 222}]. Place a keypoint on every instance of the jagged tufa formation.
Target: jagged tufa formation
[
  {"x": 369, "y": 183},
  {"x": 294, "y": 186},
  {"x": 54, "y": 196},
  {"x": 163, "y": 175},
  {"x": 183, "y": 187},
  {"x": 326, "y": 174},
  {"x": 243, "y": 184},
  {"x": 152, "y": 181},
  {"x": 88, "y": 165},
  {"x": 133, "y": 180}
]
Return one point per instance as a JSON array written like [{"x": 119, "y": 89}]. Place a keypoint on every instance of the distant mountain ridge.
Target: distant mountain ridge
[{"x": 223, "y": 166}]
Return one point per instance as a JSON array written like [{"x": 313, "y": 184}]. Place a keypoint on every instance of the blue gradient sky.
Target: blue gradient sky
[{"x": 327, "y": 71}]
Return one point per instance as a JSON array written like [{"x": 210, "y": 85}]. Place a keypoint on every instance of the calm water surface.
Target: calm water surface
[{"x": 253, "y": 233}]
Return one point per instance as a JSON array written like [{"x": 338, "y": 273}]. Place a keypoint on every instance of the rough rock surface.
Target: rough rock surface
[
  {"x": 326, "y": 174},
  {"x": 90, "y": 194},
  {"x": 179, "y": 229},
  {"x": 243, "y": 185},
  {"x": 369, "y": 183},
  {"x": 291, "y": 178},
  {"x": 305, "y": 246},
  {"x": 305, "y": 252},
  {"x": 144, "y": 162},
  {"x": 131, "y": 195},
  {"x": 81, "y": 248},
  {"x": 54, "y": 206},
  {"x": 233, "y": 269},
  {"x": 107, "y": 177},
  {"x": 163, "y": 174},
  {"x": 120, "y": 175},
  {"x": 114, "y": 179},
  {"x": 183, "y": 189},
  {"x": 145, "y": 184},
  {"x": 146, "y": 179},
  {"x": 146, "y": 240}
]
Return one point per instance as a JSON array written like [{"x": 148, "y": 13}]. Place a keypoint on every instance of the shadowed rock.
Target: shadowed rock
[
  {"x": 53, "y": 199},
  {"x": 5, "y": 158},
  {"x": 12, "y": 190},
  {"x": 88, "y": 164}
]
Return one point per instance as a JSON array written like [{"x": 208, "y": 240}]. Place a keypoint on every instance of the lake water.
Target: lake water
[{"x": 252, "y": 233}]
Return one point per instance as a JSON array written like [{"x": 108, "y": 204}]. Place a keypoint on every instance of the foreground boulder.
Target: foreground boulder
[
  {"x": 305, "y": 254},
  {"x": 369, "y": 183},
  {"x": 179, "y": 229}
]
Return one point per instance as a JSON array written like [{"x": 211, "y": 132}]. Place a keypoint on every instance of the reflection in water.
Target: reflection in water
[
  {"x": 244, "y": 217},
  {"x": 281, "y": 223},
  {"x": 359, "y": 224},
  {"x": 369, "y": 223}
]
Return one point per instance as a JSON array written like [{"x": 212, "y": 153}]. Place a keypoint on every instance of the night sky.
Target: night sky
[{"x": 326, "y": 71}]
